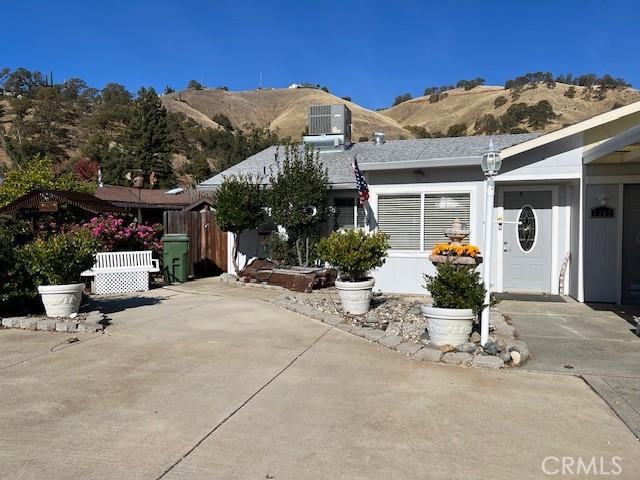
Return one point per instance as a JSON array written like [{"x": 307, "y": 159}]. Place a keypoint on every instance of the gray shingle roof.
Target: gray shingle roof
[{"x": 391, "y": 154}]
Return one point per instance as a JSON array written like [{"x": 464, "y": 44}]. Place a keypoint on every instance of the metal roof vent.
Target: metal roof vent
[{"x": 378, "y": 138}]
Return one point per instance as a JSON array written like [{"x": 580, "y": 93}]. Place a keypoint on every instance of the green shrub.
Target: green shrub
[
  {"x": 280, "y": 250},
  {"x": 61, "y": 258},
  {"x": 456, "y": 286},
  {"x": 16, "y": 285},
  {"x": 354, "y": 253},
  {"x": 499, "y": 101}
]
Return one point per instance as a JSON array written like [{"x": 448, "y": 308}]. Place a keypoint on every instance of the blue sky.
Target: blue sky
[{"x": 370, "y": 50}]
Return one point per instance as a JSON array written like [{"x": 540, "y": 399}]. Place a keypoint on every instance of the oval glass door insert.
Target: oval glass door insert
[{"x": 526, "y": 229}]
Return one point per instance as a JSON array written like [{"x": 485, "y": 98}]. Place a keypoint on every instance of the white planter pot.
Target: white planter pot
[
  {"x": 355, "y": 296},
  {"x": 448, "y": 326},
  {"x": 61, "y": 300}
]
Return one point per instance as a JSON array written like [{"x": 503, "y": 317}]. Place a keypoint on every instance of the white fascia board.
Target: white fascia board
[
  {"x": 537, "y": 177},
  {"x": 580, "y": 127},
  {"x": 427, "y": 163},
  {"x": 608, "y": 146}
]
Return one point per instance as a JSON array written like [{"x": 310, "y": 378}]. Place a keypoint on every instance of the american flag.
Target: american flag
[{"x": 361, "y": 183}]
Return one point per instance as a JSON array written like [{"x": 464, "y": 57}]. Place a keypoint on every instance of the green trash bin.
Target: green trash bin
[{"x": 176, "y": 257}]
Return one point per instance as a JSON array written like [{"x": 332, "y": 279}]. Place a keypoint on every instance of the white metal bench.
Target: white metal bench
[{"x": 122, "y": 272}]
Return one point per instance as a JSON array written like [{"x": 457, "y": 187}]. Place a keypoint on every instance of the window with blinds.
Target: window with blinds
[
  {"x": 440, "y": 210},
  {"x": 348, "y": 209},
  {"x": 399, "y": 217}
]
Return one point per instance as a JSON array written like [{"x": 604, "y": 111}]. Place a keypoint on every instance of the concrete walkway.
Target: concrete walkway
[
  {"x": 215, "y": 382},
  {"x": 596, "y": 342}
]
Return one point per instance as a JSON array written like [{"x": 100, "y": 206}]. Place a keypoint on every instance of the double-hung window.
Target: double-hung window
[{"x": 416, "y": 222}]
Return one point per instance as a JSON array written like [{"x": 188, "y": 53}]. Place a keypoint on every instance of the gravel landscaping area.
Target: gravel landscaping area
[{"x": 397, "y": 323}]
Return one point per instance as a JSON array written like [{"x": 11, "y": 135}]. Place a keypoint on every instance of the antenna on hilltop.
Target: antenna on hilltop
[{"x": 260, "y": 84}]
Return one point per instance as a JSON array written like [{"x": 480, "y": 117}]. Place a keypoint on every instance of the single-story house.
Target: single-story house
[
  {"x": 145, "y": 203},
  {"x": 566, "y": 214}
]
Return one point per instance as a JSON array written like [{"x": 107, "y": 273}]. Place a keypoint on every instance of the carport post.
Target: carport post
[{"x": 491, "y": 163}]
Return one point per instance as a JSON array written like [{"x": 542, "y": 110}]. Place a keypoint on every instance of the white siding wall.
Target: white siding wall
[{"x": 403, "y": 271}]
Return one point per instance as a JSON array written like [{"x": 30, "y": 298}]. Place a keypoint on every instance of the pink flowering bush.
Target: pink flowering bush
[{"x": 114, "y": 235}]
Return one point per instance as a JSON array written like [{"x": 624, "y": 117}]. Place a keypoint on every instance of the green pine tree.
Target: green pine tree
[{"x": 146, "y": 144}]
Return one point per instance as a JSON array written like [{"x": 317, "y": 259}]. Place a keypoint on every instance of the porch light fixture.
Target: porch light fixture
[{"x": 490, "y": 163}]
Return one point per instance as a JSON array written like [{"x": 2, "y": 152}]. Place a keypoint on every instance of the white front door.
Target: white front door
[{"x": 527, "y": 240}]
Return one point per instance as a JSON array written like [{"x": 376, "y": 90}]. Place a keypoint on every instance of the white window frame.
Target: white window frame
[{"x": 471, "y": 188}]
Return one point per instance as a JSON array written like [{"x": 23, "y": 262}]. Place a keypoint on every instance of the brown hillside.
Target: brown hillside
[
  {"x": 468, "y": 106},
  {"x": 284, "y": 110}
]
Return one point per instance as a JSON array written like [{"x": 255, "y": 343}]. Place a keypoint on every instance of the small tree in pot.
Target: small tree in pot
[
  {"x": 457, "y": 292},
  {"x": 56, "y": 264},
  {"x": 354, "y": 254}
]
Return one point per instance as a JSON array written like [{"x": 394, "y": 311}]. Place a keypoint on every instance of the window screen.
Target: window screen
[{"x": 399, "y": 217}]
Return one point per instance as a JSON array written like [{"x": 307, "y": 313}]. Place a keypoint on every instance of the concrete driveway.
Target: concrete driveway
[
  {"x": 597, "y": 342},
  {"x": 213, "y": 381}
]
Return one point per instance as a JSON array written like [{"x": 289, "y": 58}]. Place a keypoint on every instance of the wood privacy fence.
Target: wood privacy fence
[{"x": 207, "y": 243}]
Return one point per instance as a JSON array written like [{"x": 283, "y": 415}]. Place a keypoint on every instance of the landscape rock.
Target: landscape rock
[
  {"x": 516, "y": 358},
  {"x": 11, "y": 322},
  {"x": 409, "y": 347},
  {"x": 491, "y": 348},
  {"x": 428, "y": 354},
  {"x": 505, "y": 356},
  {"x": 28, "y": 323},
  {"x": 374, "y": 334},
  {"x": 485, "y": 361},
  {"x": 447, "y": 348},
  {"x": 468, "y": 347},
  {"x": 394, "y": 328},
  {"x": 66, "y": 326},
  {"x": 457, "y": 358},
  {"x": 47, "y": 325},
  {"x": 475, "y": 337},
  {"x": 391, "y": 341},
  {"x": 360, "y": 331},
  {"x": 505, "y": 329},
  {"x": 521, "y": 348}
]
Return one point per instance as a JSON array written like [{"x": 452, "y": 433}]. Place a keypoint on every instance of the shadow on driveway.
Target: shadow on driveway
[{"x": 110, "y": 305}]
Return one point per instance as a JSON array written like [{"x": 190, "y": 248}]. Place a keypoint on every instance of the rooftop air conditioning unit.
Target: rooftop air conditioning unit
[{"x": 330, "y": 120}]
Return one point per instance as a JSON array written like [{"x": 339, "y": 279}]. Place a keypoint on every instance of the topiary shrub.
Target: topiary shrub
[
  {"x": 456, "y": 286},
  {"x": 354, "y": 253},
  {"x": 61, "y": 258}
]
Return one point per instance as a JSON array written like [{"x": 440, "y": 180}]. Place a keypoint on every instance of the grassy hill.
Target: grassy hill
[
  {"x": 285, "y": 110},
  {"x": 282, "y": 110},
  {"x": 467, "y": 107}
]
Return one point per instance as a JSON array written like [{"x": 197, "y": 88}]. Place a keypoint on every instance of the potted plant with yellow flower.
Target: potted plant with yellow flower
[{"x": 456, "y": 290}]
